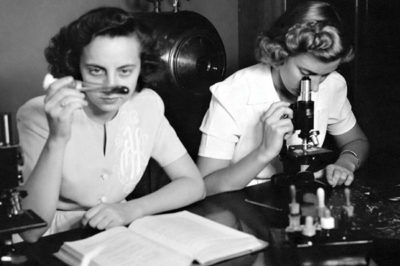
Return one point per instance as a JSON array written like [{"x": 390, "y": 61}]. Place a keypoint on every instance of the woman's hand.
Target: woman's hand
[
  {"x": 338, "y": 175},
  {"x": 61, "y": 100},
  {"x": 277, "y": 126},
  {"x": 108, "y": 215}
]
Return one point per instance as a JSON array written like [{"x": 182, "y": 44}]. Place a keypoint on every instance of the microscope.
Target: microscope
[
  {"x": 301, "y": 161},
  {"x": 13, "y": 218}
]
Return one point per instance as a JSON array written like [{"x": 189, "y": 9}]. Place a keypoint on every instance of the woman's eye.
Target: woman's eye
[
  {"x": 304, "y": 73},
  {"x": 95, "y": 71},
  {"x": 126, "y": 71}
]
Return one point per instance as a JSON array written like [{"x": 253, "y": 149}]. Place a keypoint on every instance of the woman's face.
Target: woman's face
[
  {"x": 296, "y": 67},
  {"x": 110, "y": 61}
]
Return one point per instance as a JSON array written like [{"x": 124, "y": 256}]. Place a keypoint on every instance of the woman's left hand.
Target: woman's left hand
[
  {"x": 338, "y": 175},
  {"x": 107, "y": 215}
]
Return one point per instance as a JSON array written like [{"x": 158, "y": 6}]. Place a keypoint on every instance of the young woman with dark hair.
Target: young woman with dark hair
[{"x": 86, "y": 147}]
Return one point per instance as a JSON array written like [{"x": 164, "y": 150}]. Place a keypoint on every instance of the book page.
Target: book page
[
  {"x": 196, "y": 236},
  {"x": 230, "y": 249},
  {"x": 119, "y": 246}
]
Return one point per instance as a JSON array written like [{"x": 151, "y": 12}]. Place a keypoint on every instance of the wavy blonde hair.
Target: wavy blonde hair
[{"x": 311, "y": 27}]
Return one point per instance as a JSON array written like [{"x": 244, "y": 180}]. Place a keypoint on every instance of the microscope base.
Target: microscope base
[
  {"x": 10, "y": 225},
  {"x": 21, "y": 222},
  {"x": 304, "y": 181},
  {"x": 8, "y": 256}
]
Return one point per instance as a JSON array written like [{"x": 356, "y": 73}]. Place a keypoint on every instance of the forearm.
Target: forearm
[
  {"x": 236, "y": 176},
  {"x": 353, "y": 154},
  {"x": 176, "y": 194},
  {"x": 43, "y": 186}
]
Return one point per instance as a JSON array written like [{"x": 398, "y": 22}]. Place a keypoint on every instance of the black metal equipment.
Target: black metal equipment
[
  {"x": 13, "y": 218},
  {"x": 306, "y": 154},
  {"x": 301, "y": 161},
  {"x": 192, "y": 58}
]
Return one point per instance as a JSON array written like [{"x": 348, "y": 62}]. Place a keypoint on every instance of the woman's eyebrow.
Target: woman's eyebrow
[
  {"x": 312, "y": 73},
  {"x": 309, "y": 72},
  {"x": 127, "y": 65},
  {"x": 94, "y": 65}
]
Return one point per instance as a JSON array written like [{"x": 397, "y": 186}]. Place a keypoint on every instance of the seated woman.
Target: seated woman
[
  {"x": 249, "y": 116},
  {"x": 86, "y": 148}
]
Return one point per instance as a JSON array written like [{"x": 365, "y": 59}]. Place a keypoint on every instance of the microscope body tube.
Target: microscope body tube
[{"x": 304, "y": 117}]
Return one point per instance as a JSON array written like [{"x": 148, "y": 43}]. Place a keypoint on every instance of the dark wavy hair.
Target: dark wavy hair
[
  {"x": 311, "y": 27},
  {"x": 65, "y": 48}
]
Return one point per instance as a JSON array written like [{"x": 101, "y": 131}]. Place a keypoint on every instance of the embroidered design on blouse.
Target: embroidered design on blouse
[{"x": 130, "y": 147}]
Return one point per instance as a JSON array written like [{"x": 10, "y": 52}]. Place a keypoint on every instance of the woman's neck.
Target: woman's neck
[
  {"x": 99, "y": 116},
  {"x": 280, "y": 88}
]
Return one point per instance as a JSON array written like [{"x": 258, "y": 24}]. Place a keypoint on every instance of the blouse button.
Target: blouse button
[
  {"x": 103, "y": 199},
  {"x": 104, "y": 176}
]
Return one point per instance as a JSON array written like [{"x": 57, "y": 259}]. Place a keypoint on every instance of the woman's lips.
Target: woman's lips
[{"x": 110, "y": 100}]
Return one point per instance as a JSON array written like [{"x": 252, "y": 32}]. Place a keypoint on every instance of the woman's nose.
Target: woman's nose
[
  {"x": 111, "y": 80},
  {"x": 315, "y": 81}
]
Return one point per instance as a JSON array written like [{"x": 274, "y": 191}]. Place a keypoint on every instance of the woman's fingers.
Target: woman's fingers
[
  {"x": 62, "y": 97},
  {"x": 349, "y": 180},
  {"x": 61, "y": 100},
  {"x": 70, "y": 100},
  {"x": 278, "y": 111},
  {"x": 65, "y": 105},
  {"x": 71, "y": 106},
  {"x": 337, "y": 175},
  {"x": 276, "y": 126},
  {"x": 102, "y": 216},
  {"x": 66, "y": 82},
  {"x": 92, "y": 212},
  {"x": 281, "y": 126},
  {"x": 60, "y": 89}
]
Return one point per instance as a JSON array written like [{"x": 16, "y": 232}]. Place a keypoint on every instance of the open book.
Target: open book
[{"x": 180, "y": 238}]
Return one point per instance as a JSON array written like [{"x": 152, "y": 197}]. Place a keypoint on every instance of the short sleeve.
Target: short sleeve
[
  {"x": 341, "y": 117},
  {"x": 220, "y": 130},
  {"x": 342, "y": 121},
  {"x": 32, "y": 131},
  {"x": 167, "y": 147}
]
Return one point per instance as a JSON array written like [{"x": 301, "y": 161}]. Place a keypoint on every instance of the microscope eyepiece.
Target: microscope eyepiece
[{"x": 305, "y": 89}]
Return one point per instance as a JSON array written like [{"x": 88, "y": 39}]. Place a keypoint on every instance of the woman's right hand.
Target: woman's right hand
[
  {"x": 277, "y": 126},
  {"x": 62, "y": 99}
]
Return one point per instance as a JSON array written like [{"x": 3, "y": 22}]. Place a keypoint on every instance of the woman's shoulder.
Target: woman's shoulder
[
  {"x": 32, "y": 109},
  {"x": 254, "y": 73},
  {"x": 147, "y": 99},
  {"x": 333, "y": 87},
  {"x": 239, "y": 86},
  {"x": 31, "y": 116},
  {"x": 335, "y": 80}
]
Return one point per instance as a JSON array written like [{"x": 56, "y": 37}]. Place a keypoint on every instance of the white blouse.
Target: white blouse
[{"x": 231, "y": 127}]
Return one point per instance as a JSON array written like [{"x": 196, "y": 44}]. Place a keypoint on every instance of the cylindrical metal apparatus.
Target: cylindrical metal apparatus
[
  {"x": 193, "y": 58},
  {"x": 190, "y": 48}
]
